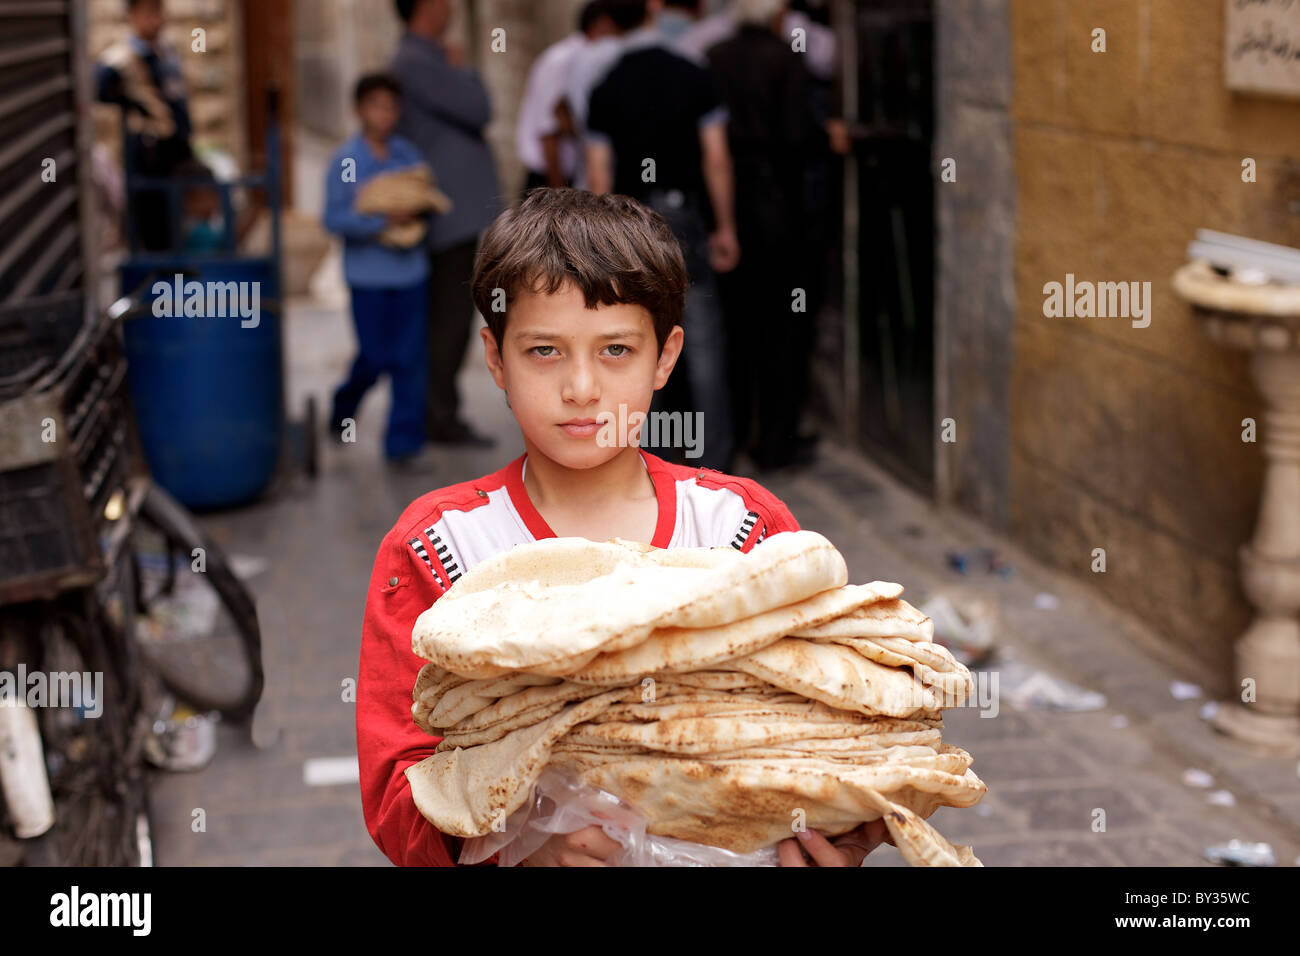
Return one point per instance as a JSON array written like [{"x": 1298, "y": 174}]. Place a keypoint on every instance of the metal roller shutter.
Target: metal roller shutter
[{"x": 43, "y": 234}]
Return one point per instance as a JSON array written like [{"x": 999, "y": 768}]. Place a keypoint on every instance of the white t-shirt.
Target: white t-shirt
[{"x": 546, "y": 86}]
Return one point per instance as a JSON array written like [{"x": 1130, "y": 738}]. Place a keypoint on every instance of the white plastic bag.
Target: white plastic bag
[{"x": 562, "y": 804}]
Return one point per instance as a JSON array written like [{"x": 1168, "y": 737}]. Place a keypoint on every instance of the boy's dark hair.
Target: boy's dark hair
[
  {"x": 405, "y": 8},
  {"x": 375, "y": 81},
  {"x": 611, "y": 247},
  {"x": 626, "y": 14},
  {"x": 194, "y": 168},
  {"x": 590, "y": 13}
]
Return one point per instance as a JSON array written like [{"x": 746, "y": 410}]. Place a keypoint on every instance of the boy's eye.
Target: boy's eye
[
  {"x": 535, "y": 349},
  {"x": 618, "y": 354}
]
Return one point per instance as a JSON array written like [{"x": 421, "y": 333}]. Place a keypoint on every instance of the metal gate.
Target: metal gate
[
  {"x": 44, "y": 223},
  {"x": 889, "y": 234}
]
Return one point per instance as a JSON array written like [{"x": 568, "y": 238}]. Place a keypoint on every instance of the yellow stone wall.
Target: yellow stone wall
[{"x": 1125, "y": 438}]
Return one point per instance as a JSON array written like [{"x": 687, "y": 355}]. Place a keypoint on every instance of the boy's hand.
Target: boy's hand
[
  {"x": 724, "y": 250},
  {"x": 400, "y": 218},
  {"x": 586, "y": 847},
  {"x": 850, "y": 849}
]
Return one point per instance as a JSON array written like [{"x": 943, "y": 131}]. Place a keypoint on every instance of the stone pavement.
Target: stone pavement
[{"x": 1047, "y": 772}]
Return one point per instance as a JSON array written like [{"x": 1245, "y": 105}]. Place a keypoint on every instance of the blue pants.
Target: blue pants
[{"x": 391, "y": 337}]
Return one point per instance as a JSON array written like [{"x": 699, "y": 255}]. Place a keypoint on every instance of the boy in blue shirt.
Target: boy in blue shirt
[{"x": 388, "y": 284}]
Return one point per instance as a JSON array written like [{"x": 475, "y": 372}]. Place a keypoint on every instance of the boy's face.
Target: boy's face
[
  {"x": 562, "y": 365},
  {"x": 146, "y": 19},
  {"x": 378, "y": 113}
]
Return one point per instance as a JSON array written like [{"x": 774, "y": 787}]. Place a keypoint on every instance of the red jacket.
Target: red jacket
[{"x": 440, "y": 536}]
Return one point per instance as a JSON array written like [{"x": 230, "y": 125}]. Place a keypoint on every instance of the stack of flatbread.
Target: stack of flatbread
[
  {"x": 410, "y": 190},
  {"x": 728, "y": 697}
]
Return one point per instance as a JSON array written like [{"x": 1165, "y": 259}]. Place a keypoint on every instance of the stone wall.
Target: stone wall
[
  {"x": 1124, "y": 438},
  {"x": 975, "y": 255}
]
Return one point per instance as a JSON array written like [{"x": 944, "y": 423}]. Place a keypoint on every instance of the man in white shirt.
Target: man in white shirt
[
  {"x": 544, "y": 136},
  {"x": 819, "y": 40}
]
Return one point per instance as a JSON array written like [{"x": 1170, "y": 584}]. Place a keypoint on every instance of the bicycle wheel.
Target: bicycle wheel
[
  {"x": 197, "y": 628},
  {"x": 92, "y": 748}
]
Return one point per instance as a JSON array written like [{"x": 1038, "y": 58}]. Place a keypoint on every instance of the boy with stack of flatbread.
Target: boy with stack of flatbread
[
  {"x": 728, "y": 698},
  {"x": 583, "y": 299}
]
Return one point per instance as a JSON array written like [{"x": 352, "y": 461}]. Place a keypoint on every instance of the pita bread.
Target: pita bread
[
  {"x": 953, "y": 680},
  {"x": 526, "y": 620},
  {"x": 744, "y": 805},
  {"x": 689, "y": 649},
  {"x": 463, "y": 792},
  {"x": 724, "y": 696},
  {"x": 704, "y": 735},
  {"x": 884, "y": 619},
  {"x": 444, "y": 702},
  {"x": 923, "y": 845},
  {"x": 840, "y": 677}
]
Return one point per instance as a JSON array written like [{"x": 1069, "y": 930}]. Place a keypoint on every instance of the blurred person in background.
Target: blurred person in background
[
  {"x": 721, "y": 22},
  {"x": 143, "y": 76},
  {"x": 388, "y": 285},
  {"x": 656, "y": 131},
  {"x": 545, "y": 136},
  {"x": 762, "y": 82},
  {"x": 445, "y": 109},
  {"x": 591, "y": 62}
]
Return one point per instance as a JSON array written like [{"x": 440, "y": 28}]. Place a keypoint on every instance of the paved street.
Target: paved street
[{"x": 1047, "y": 772}]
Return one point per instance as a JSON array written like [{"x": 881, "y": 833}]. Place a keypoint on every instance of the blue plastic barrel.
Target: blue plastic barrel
[{"x": 207, "y": 389}]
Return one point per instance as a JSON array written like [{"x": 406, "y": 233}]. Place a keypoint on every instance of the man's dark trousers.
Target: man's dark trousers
[{"x": 451, "y": 315}]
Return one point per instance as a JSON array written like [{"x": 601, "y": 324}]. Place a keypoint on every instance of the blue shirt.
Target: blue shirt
[
  {"x": 444, "y": 111},
  {"x": 367, "y": 264}
]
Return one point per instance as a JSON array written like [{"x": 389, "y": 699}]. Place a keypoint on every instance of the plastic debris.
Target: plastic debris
[
  {"x": 1027, "y": 688},
  {"x": 1222, "y": 798},
  {"x": 1119, "y": 722},
  {"x": 1044, "y": 601},
  {"x": 182, "y": 739},
  {"x": 1182, "y": 690},
  {"x": 248, "y": 566},
  {"x": 1209, "y": 709},
  {"x": 1241, "y": 853},
  {"x": 964, "y": 627},
  {"x": 1193, "y": 777},
  {"x": 979, "y": 559}
]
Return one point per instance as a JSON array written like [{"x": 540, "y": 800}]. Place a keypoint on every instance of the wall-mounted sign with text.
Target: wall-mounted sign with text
[{"x": 1261, "y": 51}]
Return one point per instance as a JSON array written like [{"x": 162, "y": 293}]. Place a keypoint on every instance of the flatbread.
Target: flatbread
[
  {"x": 685, "y": 649},
  {"x": 724, "y": 696},
  {"x": 884, "y": 619},
  {"x": 463, "y": 792},
  {"x": 527, "y": 620},
  {"x": 841, "y": 677},
  {"x": 744, "y": 805}
]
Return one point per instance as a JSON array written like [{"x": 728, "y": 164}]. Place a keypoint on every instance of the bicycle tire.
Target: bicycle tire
[
  {"x": 100, "y": 793},
  {"x": 167, "y": 515}
]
